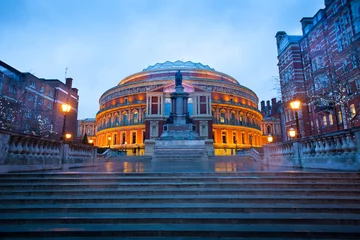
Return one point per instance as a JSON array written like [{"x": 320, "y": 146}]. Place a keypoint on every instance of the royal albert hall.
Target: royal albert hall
[{"x": 135, "y": 110}]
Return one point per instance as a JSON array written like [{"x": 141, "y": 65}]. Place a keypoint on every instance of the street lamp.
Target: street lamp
[
  {"x": 91, "y": 141},
  {"x": 235, "y": 146},
  {"x": 66, "y": 109},
  {"x": 67, "y": 136},
  {"x": 295, "y": 105},
  {"x": 270, "y": 138},
  {"x": 109, "y": 138},
  {"x": 292, "y": 133},
  {"x": 125, "y": 148}
]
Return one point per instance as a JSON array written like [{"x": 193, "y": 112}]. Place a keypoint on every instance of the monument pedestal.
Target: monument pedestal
[{"x": 179, "y": 140}]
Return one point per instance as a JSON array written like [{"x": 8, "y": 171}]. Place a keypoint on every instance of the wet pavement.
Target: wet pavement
[{"x": 145, "y": 165}]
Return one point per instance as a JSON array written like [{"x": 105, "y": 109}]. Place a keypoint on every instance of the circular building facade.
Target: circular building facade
[{"x": 136, "y": 109}]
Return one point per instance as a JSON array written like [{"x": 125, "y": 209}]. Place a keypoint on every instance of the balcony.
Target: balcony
[
  {"x": 236, "y": 123},
  {"x": 121, "y": 105},
  {"x": 119, "y": 124}
]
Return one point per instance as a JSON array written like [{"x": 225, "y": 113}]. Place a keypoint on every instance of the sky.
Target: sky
[{"x": 100, "y": 42}]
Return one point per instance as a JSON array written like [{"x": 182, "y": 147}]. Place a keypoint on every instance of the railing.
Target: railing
[
  {"x": 26, "y": 153},
  {"x": 121, "y": 104},
  {"x": 119, "y": 124},
  {"x": 236, "y": 123},
  {"x": 250, "y": 152},
  {"x": 340, "y": 150},
  {"x": 236, "y": 104}
]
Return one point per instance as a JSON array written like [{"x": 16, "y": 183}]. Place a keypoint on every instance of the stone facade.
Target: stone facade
[{"x": 136, "y": 109}]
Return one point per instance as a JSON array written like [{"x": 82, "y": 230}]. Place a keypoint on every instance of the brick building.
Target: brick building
[
  {"x": 321, "y": 69},
  {"x": 32, "y": 105}
]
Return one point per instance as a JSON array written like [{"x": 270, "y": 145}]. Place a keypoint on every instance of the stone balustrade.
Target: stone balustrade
[
  {"x": 27, "y": 153},
  {"x": 340, "y": 150}
]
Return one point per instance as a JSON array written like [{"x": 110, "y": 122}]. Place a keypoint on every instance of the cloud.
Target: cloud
[{"x": 102, "y": 42}]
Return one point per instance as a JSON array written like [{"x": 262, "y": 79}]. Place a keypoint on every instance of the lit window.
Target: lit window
[
  {"x": 324, "y": 121},
  {"x": 352, "y": 110},
  {"x": 222, "y": 117},
  {"x": 135, "y": 117},
  {"x": 331, "y": 121},
  {"x": 339, "y": 116}
]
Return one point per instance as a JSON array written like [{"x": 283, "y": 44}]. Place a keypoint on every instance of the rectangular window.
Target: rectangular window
[
  {"x": 49, "y": 105},
  {"x": 331, "y": 121},
  {"x": 32, "y": 85},
  {"x": 223, "y": 137},
  {"x": 202, "y": 105},
  {"x": 352, "y": 110},
  {"x": 114, "y": 138},
  {"x": 324, "y": 121},
  {"x": 339, "y": 116},
  {"x": 123, "y": 138},
  {"x": 234, "y": 138},
  {"x": 154, "y": 105},
  {"x": 133, "y": 138},
  {"x": 40, "y": 102}
]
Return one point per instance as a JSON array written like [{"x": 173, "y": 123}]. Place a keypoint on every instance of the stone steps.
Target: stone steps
[
  {"x": 183, "y": 230},
  {"x": 258, "y": 205},
  {"x": 180, "y": 199},
  {"x": 188, "y": 191},
  {"x": 245, "y": 179},
  {"x": 164, "y": 185},
  {"x": 181, "y": 208},
  {"x": 185, "y": 218}
]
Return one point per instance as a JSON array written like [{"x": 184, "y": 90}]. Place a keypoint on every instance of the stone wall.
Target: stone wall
[
  {"x": 338, "y": 151},
  {"x": 26, "y": 153}
]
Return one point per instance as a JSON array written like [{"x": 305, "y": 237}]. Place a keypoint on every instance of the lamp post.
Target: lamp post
[
  {"x": 109, "y": 138},
  {"x": 270, "y": 138},
  {"x": 235, "y": 146},
  {"x": 292, "y": 133},
  {"x": 66, "y": 109},
  {"x": 67, "y": 136},
  {"x": 295, "y": 105},
  {"x": 125, "y": 149}
]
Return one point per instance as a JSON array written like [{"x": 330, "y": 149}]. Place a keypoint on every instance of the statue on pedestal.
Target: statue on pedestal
[{"x": 178, "y": 78}]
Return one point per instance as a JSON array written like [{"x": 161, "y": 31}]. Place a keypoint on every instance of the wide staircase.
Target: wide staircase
[
  {"x": 246, "y": 205},
  {"x": 180, "y": 153}
]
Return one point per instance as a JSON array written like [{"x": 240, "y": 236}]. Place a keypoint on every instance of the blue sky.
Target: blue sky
[{"x": 102, "y": 42}]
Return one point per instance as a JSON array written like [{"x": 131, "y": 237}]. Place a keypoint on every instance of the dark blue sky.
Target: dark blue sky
[{"x": 102, "y": 42}]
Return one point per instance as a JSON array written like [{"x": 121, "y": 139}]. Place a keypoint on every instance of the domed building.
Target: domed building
[{"x": 136, "y": 109}]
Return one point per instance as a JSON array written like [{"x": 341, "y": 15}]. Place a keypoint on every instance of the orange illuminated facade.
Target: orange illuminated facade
[{"x": 137, "y": 108}]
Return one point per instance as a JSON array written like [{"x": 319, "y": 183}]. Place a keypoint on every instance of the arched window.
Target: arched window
[
  {"x": 136, "y": 117},
  {"x": 232, "y": 119},
  {"x": 268, "y": 129},
  {"x": 222, "y": 117},
  {"x": 125, "y": 118}
]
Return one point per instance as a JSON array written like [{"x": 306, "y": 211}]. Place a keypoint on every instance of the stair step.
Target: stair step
[
  {"x": 183, "y": 207},
  {"x": 181, "y": 199},
  {"x": 184, "y": 230},
  {"x": 187, "y": 191},
  {"x": 183, "y": 218}
]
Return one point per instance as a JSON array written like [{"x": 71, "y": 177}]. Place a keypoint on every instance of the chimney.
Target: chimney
[
  {"x": 273, "y": 105},
  {"x": 262, "y": 107},
  {"x": 69, "y": 82}
]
